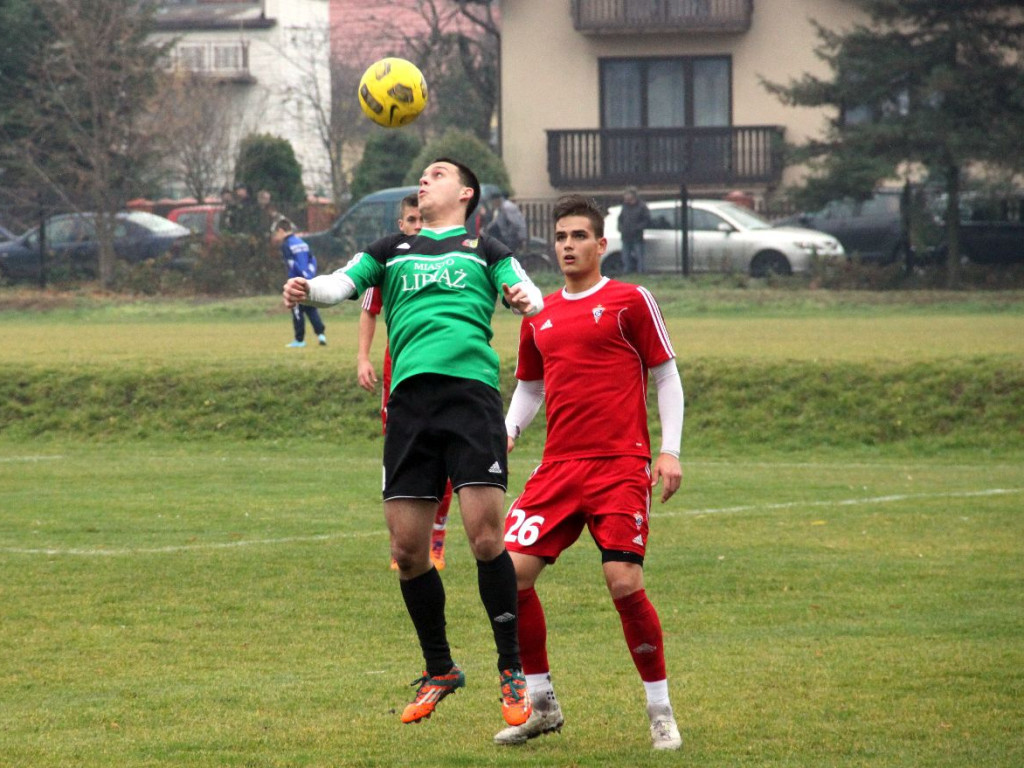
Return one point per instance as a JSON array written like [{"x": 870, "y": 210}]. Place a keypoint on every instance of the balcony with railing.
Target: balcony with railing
[
  {"x": 672, "y": 16},
  {"x": 727, "y": 156},
  {"x": 222, "y": 60}
]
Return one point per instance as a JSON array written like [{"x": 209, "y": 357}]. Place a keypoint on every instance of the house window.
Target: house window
[
  {"x": 227, "y": 57},
  {"x": 192, "y": 57},
  {"x": 666, "y": 93}
]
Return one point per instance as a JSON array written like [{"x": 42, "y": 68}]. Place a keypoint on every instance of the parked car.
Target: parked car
[
  {"x": 991, "y": 228},
  {"x": 375, "y": 215},
  {"x": 870, "y": 230},
  {"x": 6, "y": 235},
  {"x": 73, "y": 250},
  {"x": 724, "y": 237},
  {"x": 203, "y": 221}
]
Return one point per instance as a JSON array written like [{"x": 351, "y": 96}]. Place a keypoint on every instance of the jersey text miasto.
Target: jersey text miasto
[{"x": 439, "y": 290}]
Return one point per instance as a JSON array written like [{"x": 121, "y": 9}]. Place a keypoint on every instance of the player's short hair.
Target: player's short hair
[
  {"x": 282, "y": 224},
  {"x": 579, "y": 205},
  {"x": 467, "y": 179},
  {"x": 411, "y": 200}
]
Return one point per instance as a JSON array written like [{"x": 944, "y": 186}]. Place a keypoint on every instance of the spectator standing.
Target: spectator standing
[
  {"x": 242, "y": 216},
  {"x": 301, "y": 263},
  {"x": 507, "y": 222},
  {"x": 268, "y": 212},
  {"x": 634, "y": 218},
  {"x": 587, "y": 357}
]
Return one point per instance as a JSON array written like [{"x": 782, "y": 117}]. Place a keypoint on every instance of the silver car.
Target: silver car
[{"x": 724, "y": 237}]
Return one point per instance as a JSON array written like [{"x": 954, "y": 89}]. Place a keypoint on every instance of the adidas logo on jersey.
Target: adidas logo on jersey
[
  {"x": 403, "y": 247},
  {"x": 547, "y": 324}
]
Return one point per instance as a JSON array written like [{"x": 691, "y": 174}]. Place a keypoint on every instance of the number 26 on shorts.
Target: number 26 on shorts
[{"x": 524, "y": 530}]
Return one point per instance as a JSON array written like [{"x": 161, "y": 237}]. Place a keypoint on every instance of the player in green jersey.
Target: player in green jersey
[{"x": 445, "y": 415}]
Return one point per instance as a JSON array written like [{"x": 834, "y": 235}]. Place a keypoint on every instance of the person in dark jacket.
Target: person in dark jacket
[{"x": 633, "y": 220}]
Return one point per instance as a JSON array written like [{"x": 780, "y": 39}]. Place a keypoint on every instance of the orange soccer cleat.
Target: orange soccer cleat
[
  {"x": 430, "y": 692},
  {"x": 515, "y": 700}
]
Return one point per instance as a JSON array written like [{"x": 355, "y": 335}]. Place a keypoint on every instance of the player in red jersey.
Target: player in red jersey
[
  {"x": 586, "y": 357},
  {"x": 410, "y": 223}
]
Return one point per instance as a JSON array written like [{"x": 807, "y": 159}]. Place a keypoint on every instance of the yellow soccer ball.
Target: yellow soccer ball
[{"x": 392, "y": 92}]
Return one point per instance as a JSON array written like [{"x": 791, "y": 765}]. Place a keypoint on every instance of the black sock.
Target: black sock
[
  {"x": 424, "y": 599},
  {"x": 497, "y": 580}
]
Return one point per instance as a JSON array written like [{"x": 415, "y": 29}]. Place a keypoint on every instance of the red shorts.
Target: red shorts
[{"x": 612, "y": 497}]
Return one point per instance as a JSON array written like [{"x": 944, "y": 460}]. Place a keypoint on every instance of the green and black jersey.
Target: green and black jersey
[{"x": 439, "y": 290}]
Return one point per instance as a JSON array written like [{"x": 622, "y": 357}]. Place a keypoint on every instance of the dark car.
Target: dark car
[
  {"x": 6, "y": 235},
  {"x": 870, "y": 230},
  {"x": 72, "y": 249},
  {"x": 991, "y": 228},
  {"x": 375, "y": 215}
]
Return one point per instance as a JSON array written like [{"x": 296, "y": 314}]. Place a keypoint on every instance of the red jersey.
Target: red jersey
[
  {"x": 373, "y": 302},
  {"x": 594, "y": 350}
]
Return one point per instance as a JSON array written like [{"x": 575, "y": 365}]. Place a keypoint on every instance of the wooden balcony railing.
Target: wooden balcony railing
[
  {"x": 675, "y": 16},
  {"x": 643, "y": 156}
]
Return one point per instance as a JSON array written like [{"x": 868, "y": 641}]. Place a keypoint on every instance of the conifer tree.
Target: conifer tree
[{"x": 938, "y": 85}]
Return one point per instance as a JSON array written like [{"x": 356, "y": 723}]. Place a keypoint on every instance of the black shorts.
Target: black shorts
[{"x": 442, "y": 427}]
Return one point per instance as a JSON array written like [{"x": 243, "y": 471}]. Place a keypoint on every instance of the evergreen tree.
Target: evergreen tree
[
  {"x": 467, "y": 149},
  {"x": 269, "y": 162},
  {"x": 937, "y": 85},
  {"x": 386, "y": 159}
]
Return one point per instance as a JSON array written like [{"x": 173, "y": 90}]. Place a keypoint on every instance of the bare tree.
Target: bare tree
[
  {"x": 323, "y": 93},
  {"x": 456, "y": 43},
  {"x": 196, "y": 121},
  {"x": 92, "y": 85}
]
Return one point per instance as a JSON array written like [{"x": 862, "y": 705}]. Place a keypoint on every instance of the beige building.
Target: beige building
[
  {"x": 270, "y": 57},
  {"x": 598, "y": 94}
]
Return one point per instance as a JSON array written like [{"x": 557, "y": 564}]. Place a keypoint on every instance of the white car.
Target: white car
[{"x": 723, "y": 237}]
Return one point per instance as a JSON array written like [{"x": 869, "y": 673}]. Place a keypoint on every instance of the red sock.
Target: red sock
[
  {"x": 642, "y": 629},
  {"x": 533, "y": 633}
]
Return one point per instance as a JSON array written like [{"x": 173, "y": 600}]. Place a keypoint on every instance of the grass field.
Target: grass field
[{"x": 208, "y": 600}]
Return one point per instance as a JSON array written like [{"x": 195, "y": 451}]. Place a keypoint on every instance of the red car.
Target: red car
[{"x": 202, "y": 220}]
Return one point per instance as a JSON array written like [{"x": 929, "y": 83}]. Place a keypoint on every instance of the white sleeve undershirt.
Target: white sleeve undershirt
[
  {"x": 328, "y": 290},
  {"x": 535, "y": 296},
  {"x": 671, "y": 405},
  {"x": 526, "y": 401}
]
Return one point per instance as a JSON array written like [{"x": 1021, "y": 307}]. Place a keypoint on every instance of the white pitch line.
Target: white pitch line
[
  {"x": 186, "y": 547},
  {"x": 53, "y": 551},
  {"x": 13, "y": 459},
  {"x": 842, "y": 502}
]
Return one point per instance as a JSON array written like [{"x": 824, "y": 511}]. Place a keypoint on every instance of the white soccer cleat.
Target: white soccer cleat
[
  {"x": 541, "y": 721},
  {"x": 664, "y": 731}
]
